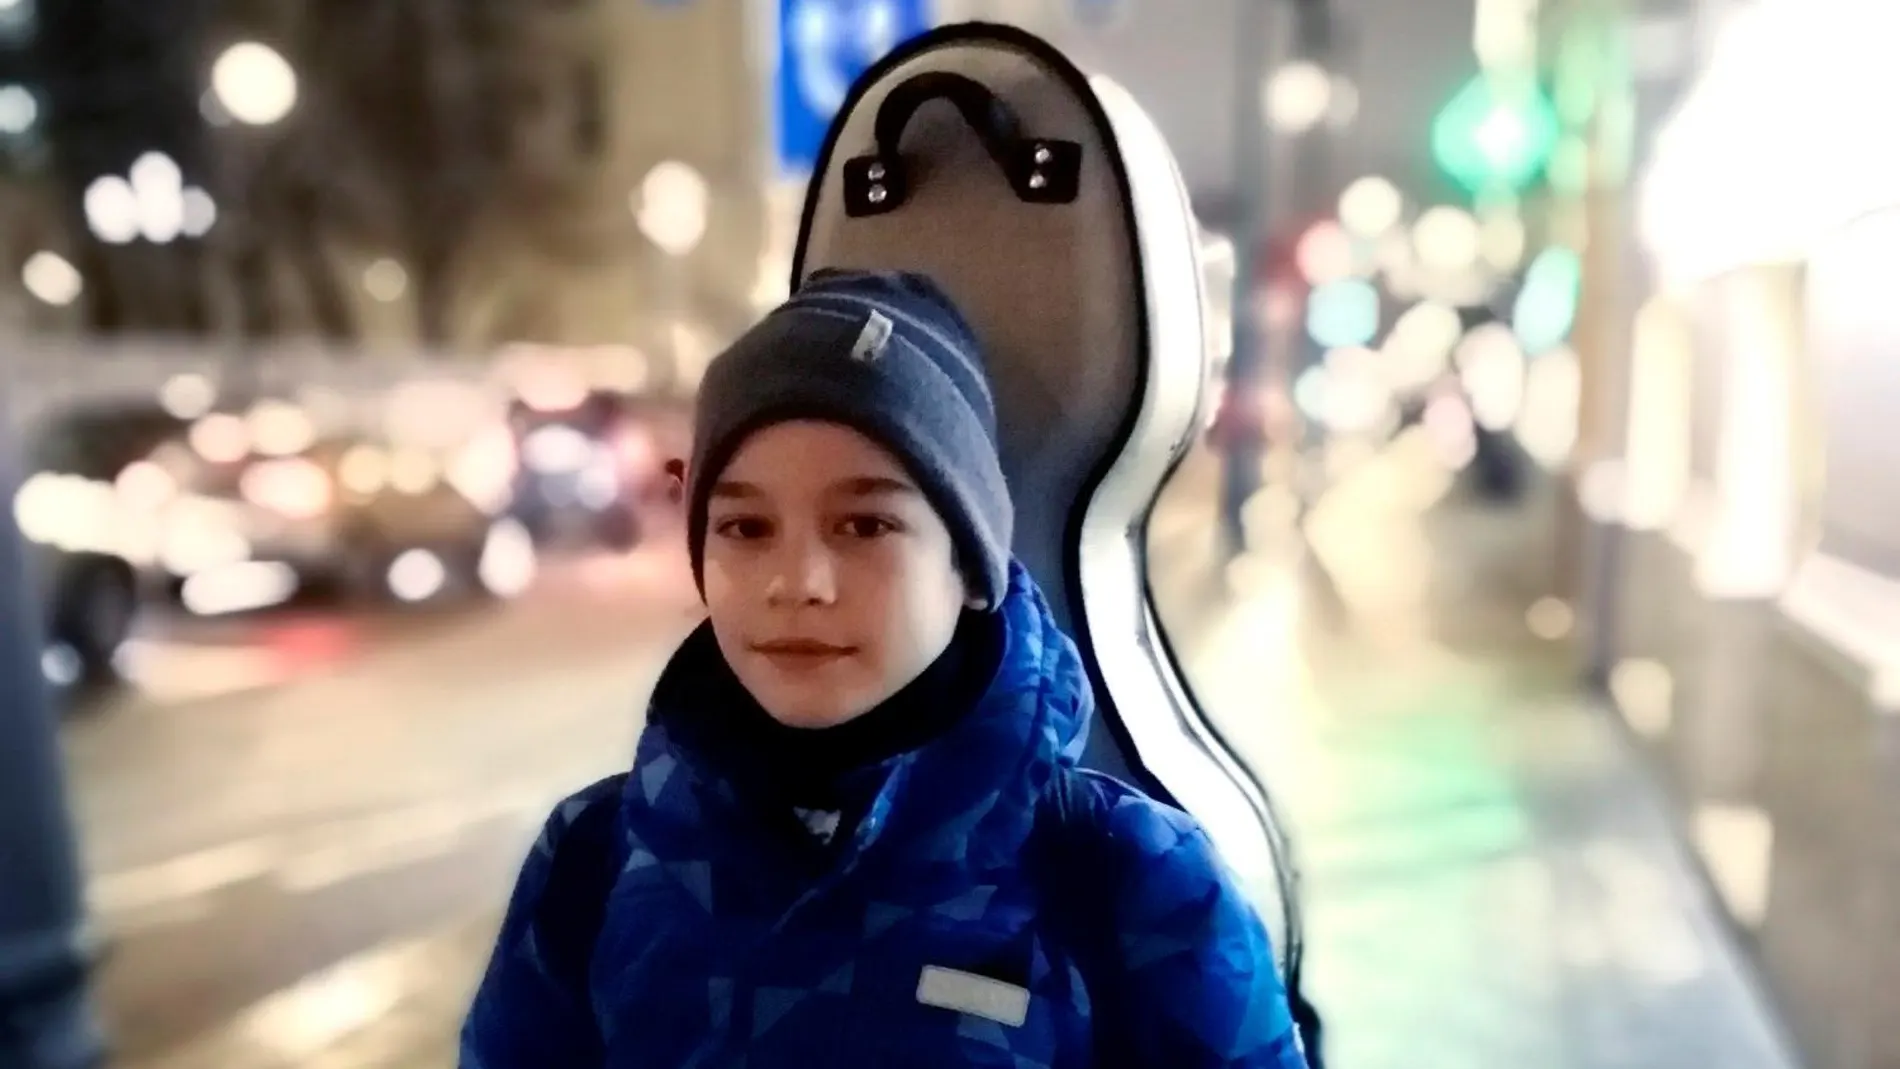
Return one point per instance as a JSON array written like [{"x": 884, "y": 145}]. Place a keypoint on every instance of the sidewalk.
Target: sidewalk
[{"x": 1489, "y": 879}]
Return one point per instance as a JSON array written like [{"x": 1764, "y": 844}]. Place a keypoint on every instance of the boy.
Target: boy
[{"x": 854, "y": 833}]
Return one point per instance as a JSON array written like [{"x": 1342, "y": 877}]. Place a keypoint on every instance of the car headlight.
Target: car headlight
[{"x": 293, "y": 487}]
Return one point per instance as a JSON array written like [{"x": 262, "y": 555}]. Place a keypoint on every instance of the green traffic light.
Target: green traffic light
[
  {"x": 1495, "y": 137},
  {"x": 1546, "y": 307}
]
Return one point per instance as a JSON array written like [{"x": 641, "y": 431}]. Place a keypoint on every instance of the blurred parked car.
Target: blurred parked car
[
  {"x": 592, "y": 468},
  {"x": 80, "y": 544},
  {"x": 233, "y": 512},
  {"x": 357, "y": 514},
  {"x": 90, "y": 605}
]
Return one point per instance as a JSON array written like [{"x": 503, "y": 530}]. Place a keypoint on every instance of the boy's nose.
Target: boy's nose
[{"x": 806, "y": 575}]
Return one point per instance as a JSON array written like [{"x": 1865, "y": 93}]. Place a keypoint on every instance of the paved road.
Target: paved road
[{"x": 300, "y": 792}]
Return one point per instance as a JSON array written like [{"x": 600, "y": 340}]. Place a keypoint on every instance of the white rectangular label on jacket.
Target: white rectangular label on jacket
[{"x": 969, "y": 993}]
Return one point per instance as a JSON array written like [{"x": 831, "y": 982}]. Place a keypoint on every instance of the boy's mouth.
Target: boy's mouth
[{"x": 800, "y": 649}]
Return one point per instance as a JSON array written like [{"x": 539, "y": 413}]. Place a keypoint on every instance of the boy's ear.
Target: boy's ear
[{"x": 676, "y": 480}]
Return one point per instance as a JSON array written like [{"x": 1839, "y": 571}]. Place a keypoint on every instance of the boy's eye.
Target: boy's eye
[
  {"x": 867, "y": 526},
  {"x": 743, "y": 528}
]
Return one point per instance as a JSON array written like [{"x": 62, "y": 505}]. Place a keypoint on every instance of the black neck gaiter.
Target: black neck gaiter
[{"x": 804, "y": 768}]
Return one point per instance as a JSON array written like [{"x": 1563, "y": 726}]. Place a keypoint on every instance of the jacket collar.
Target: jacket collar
[{"x": 968, "y": 797}]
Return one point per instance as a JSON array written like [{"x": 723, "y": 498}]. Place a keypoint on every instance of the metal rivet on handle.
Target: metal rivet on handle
[
  {"x": 876, "y": 194},
  {"x": 875, "y": 172},
  {"x": 1037, "y": 181},
  {"x": 1043, "y": 154}
]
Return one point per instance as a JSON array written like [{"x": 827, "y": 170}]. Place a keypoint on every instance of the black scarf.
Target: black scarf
[{"x": 808, "y": 770}]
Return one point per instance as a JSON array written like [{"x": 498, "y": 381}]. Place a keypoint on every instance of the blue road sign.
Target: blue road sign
[{"x": 823, "y": 45}]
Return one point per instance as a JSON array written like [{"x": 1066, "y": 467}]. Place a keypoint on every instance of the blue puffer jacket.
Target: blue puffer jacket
[{"x": 968, "y": 922}]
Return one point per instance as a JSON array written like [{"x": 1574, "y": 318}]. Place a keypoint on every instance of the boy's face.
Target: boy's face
[{"x": 830, "y": 581}]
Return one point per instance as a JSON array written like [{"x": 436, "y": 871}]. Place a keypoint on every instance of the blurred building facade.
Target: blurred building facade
[
  {"x": 1736, "y": 473},
  {"x": 448, "y": 176}
]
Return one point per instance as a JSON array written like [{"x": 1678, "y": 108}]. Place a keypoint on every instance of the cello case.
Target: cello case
[{"x": 1050, "y": 208}]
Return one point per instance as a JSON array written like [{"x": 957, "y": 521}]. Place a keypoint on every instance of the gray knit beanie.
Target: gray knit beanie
[{"x": 888, "y": 355}]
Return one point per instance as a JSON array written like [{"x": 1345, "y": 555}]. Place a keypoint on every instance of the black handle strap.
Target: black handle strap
[
  {"x": 1040, "y": 170},
  {"x": 995, "y": 122}
]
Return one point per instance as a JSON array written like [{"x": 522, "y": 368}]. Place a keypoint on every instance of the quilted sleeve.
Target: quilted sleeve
[
  {"x": 1196, "y": 985},
  {"x": 529, "y": 1011}
]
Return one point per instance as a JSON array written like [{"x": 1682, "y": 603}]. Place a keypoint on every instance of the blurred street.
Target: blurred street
[
  {"x": 1550, "y": 341},
  {"x": 307, "y": 873}
]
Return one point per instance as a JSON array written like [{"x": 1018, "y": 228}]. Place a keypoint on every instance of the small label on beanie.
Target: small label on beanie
[{"x": 873, "y": 338}]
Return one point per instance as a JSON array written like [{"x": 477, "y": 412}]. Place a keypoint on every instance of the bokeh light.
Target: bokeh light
[
  {"x": 254, "y": 83},
  {"x": 1371, "y": 206},
  {"x": 1343, "y": 314},
  {"x": 1298, "y": 96}
]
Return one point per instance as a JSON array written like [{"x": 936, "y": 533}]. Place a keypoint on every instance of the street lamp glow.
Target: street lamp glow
[
  {"x": 112, "y": 210},
  {"x": 155, "y": 172},
  {"x": 1492, "y": 367},
  {"x": 1297, "y": 97},
  {"x": 385, "y": 280},
  {"x": 188, "y": 395},
  {"x": 199, "y": 211},
  {"x": 1547, "y": 424},
  {"x": 1371, "y": 206},
  {"x": 1501, "y": 241},
  {"x": 52, "y": 279},
  {"x": 672, "y": 205},
  {"x": 1418, "y": 349},
  {"x": 254, "y": 83},
  {"x": 158, "y": 190},
  {"x": 1504, "y": 34},
  {"x": 18, "y": 109},
  {"x": 1447, "y": 239}
]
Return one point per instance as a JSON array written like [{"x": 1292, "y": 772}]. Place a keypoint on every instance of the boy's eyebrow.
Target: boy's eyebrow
[
  {"x": 874, "y": 486},
  {"x": 733, "y": 488}
]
